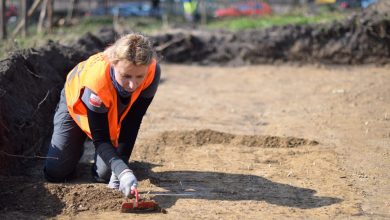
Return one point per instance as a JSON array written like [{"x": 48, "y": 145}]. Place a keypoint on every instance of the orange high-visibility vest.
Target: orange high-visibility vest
[{"x": 94, "y": 73}]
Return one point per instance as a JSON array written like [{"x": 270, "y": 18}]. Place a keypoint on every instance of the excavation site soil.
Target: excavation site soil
[
  {"x": 243, "y": 135},
  {"x": 247, "y": 142}
]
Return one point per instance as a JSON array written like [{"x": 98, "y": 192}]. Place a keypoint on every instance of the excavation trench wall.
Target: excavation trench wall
[
  {"x": 31, "y": 80},
  {"x": 30, "y": 84}
]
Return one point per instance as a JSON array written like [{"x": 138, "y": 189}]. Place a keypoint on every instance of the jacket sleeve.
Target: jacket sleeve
[
  {"x": 92, "y": 101},
  {"x": 98, "y": 124},
  {"x": 131, "y": 124}
]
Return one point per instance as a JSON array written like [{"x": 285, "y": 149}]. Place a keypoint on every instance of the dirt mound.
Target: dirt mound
[
  {"x": 362, "y": 38},
  {"x": 207, "y": 136},
  {"x": 30, "y": 84}
]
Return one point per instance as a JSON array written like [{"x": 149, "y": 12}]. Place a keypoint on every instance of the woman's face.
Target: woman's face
[{"x": 128, "y": 75}]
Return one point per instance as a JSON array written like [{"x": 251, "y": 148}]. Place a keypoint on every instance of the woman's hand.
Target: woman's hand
[
  {"x": 127, "y": 182},
  {"x": 114, "y": 182}
]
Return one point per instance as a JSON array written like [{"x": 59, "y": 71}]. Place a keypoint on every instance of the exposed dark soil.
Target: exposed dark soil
[
  {"x": 363, "y": 38},
  {"x": 30, "y": 82}
]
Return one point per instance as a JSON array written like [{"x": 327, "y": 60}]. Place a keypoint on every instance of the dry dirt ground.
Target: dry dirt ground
[{"x": 256, "y": 142}]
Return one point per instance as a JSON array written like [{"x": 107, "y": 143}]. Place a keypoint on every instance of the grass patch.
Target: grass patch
[
  {"x": 67, "y": 34},
  {"x": 242, "y": 23},
  {"x": 63, "y": 34}
]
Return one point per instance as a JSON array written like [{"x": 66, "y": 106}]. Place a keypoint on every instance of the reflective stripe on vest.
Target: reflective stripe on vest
[{"x": 94, "y": 73}]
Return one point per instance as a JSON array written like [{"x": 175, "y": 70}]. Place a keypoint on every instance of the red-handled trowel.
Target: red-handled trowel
[
  {"x": 140, "y": 205},
  {"x": 143, "y": 205}
]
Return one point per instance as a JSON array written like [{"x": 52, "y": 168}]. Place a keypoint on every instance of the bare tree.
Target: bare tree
[
  {"x": 49, "y": 15},
  {"x": 46, "y": 16},
  {"x": 106, "y": 4},
  {"x": 23, "y": 13},
  {"x": 203, "y": 12},
  {"x": 3, "y": 25},
  {"x": 42, "y": 16},
  {"x": 30, "y": 12},
  {"x": 71, "y": 10}
]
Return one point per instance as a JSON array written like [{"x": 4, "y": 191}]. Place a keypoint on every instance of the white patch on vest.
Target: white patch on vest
[{"x": 94, "y": 100}]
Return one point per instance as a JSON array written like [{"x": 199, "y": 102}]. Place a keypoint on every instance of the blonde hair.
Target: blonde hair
[{"x": 135, "y": 48}]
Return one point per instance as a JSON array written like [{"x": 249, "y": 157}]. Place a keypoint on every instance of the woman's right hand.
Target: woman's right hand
[{"x": 127, "y": 182}]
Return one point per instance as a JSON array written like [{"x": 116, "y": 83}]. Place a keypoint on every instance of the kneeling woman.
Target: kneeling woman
[{"x": 105, "y": 98}]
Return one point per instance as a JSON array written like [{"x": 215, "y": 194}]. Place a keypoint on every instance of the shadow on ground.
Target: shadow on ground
[
  {"x": 228, "y": 187},
  {"x": 27, "y": 198}
]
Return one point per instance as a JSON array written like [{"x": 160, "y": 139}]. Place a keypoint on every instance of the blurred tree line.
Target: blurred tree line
[
  {"x": 26, "y": 8},
  {"x": 42, "y": 11}
]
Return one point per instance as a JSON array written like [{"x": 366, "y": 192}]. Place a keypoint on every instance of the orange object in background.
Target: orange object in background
[
  {"x": 325, "y": 1},
  {"x": 244, "y": 9}
]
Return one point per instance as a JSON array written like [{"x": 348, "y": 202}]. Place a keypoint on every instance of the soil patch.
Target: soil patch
[
  {"x": 31, "y": 195},
  {"x": 230, "y": 178}
]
